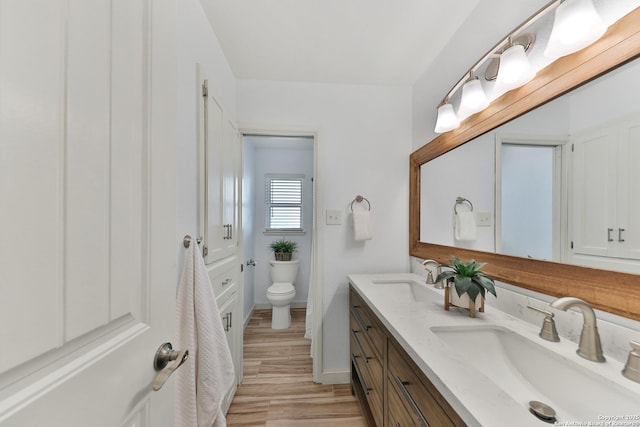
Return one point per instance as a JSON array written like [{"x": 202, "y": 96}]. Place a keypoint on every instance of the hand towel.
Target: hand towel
[
  {"x": 207, "y": 375},
  {"x": 465, "y": 226},
  {"x": 362, "y": 225}
]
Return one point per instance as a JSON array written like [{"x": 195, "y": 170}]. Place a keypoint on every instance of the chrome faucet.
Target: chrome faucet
[
  {"x": 590, "y": 347},
  {"x": 430, "y": 279}
]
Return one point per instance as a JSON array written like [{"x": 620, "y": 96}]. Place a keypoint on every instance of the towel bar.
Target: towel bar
[
  {"x": 360, "y": 199},
  {"x": 459, "y": 201}
]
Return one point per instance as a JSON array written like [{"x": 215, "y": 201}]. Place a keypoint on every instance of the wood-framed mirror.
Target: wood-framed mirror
[{"x": 611, "y": 291}]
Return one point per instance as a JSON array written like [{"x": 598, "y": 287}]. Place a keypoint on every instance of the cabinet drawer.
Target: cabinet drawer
[
  {"x": 368, "y": 324},
  {"x": 398, "y": 415},
  {"x": 362, "y": 347},
  {"x": 370, "y": 375},
  {"x": 418, "y": 394},
  {"x": 223, "y": 277}
]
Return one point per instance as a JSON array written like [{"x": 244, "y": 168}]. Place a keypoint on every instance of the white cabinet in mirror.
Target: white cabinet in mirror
[{"x": 564, "y": 206}]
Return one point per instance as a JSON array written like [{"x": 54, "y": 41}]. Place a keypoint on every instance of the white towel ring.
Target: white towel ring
[
  {"x": 360, "y": 199},
  {"x": 459, "y": 201}
]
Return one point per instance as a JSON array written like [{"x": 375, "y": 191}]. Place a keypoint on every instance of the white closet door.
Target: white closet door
[
  {"x": 628, "y": 227},
  {"x": 594, "y": 191}
]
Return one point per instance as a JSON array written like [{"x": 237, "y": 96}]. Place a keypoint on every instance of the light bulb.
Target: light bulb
[
  {"x": 576, "y": 25},
  {"x": 447, "y": 119},
  {"x": 514, "y": 70},
  {"x": 473, "y": 97}
]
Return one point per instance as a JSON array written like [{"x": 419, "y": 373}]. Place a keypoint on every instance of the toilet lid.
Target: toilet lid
[{"x": 281, "y": 288}]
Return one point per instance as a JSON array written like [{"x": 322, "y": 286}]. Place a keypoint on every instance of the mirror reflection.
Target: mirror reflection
[{"x": 558, "y": 183}]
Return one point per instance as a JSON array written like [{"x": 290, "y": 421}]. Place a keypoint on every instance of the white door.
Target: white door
[{"x": 87, "y": 211}]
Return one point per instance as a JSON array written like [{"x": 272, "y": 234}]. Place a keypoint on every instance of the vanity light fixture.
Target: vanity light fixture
[
  {"x": 576, "y": 25},
  {"x": 447, "y": 119},
  {"x": 473, "y": 97},
  {"x": 515, "y": 69}
]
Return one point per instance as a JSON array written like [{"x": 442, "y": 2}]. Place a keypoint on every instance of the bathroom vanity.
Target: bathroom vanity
[
  {"x": 379, "y": 363},
  {"x": 415, "y": 364}
]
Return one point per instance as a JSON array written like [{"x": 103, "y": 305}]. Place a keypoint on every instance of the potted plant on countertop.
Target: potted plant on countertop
[
  {"x": 282, "y": 249},
  {"x": 469, "y": 283}
]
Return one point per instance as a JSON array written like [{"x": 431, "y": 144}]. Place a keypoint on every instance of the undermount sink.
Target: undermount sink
[
  {"x": 410, "y": 289},
  {"x": 526, "y": 371}
]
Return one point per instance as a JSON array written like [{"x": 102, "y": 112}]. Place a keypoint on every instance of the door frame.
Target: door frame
[{"x": 317, "y": 259}]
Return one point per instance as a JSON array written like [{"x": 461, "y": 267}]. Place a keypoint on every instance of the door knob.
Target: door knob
[{"x": 166, "y": 361}]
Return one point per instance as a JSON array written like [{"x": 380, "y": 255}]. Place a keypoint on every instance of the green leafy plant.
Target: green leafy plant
[
  {"x": 468, "y": 278},
  {"x": 283, "y": 246}
]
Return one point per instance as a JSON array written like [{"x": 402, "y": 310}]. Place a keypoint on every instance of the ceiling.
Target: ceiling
[{"x": 380, "y": 42}]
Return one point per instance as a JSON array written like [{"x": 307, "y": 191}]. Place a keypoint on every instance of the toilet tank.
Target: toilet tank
[{"x": 284, "y": 271}]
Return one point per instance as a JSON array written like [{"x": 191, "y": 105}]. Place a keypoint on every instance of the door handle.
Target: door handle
[
  {"x": 609, "y": 230},
  {"x": 166, "y": 361},
  {"x": 620, "y": 230}
]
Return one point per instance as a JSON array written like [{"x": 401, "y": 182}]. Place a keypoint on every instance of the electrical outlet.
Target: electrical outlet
[
  {"x": 483, "y": 219},
  {"x": 334, "y": 217}
]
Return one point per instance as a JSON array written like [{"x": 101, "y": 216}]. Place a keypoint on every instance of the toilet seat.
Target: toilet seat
[
  {"x": 280, "y": 295},
  {"x": 281, "y": 289}
]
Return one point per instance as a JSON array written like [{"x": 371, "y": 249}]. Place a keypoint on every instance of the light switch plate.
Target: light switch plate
[
  {"x": 483, "y": 219},
  {"x": 334, "y": 217}
]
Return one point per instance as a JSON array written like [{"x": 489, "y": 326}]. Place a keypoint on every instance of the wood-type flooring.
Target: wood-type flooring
[{"x": 278, "y": 390}]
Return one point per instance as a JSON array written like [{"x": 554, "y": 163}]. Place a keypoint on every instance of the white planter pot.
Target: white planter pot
[{"x": 463, "y": 302}]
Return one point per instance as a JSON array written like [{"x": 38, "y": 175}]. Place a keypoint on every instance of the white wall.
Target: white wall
[
  {"x": 468, "y": 172},
  {"x": 196, "y": 43},
  {"x": 363, "y": 144},
  {"x": 282, "y": 161},
  {"x": 610, "y": 97}
]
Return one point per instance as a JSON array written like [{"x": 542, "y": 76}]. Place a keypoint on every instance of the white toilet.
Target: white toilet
[{"x": 281, "y": 292}]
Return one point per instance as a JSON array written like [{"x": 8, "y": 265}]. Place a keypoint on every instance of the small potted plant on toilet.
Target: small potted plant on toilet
[
  {"x": 469, "y": 284},
  {"x": 283, "y": 249}
]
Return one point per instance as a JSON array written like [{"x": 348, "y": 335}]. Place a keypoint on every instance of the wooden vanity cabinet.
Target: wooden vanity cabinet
[
  {"x": 393, "y": 390},
  {"x": 407, "y": 383},
  {"x": 367, "y": 347}
]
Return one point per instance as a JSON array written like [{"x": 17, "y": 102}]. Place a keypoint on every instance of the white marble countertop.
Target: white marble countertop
[{"x": 474, "y": 395}]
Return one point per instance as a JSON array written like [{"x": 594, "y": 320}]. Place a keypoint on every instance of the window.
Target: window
[{"x": 283, "y": 200}]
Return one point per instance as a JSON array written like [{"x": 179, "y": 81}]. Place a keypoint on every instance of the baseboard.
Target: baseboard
[
  {"x": 262, "y": 306},
  {"x": 336, "y": 377},
  {"x": 267, "y": 306},
  {"x": 248, "y": 318}
]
